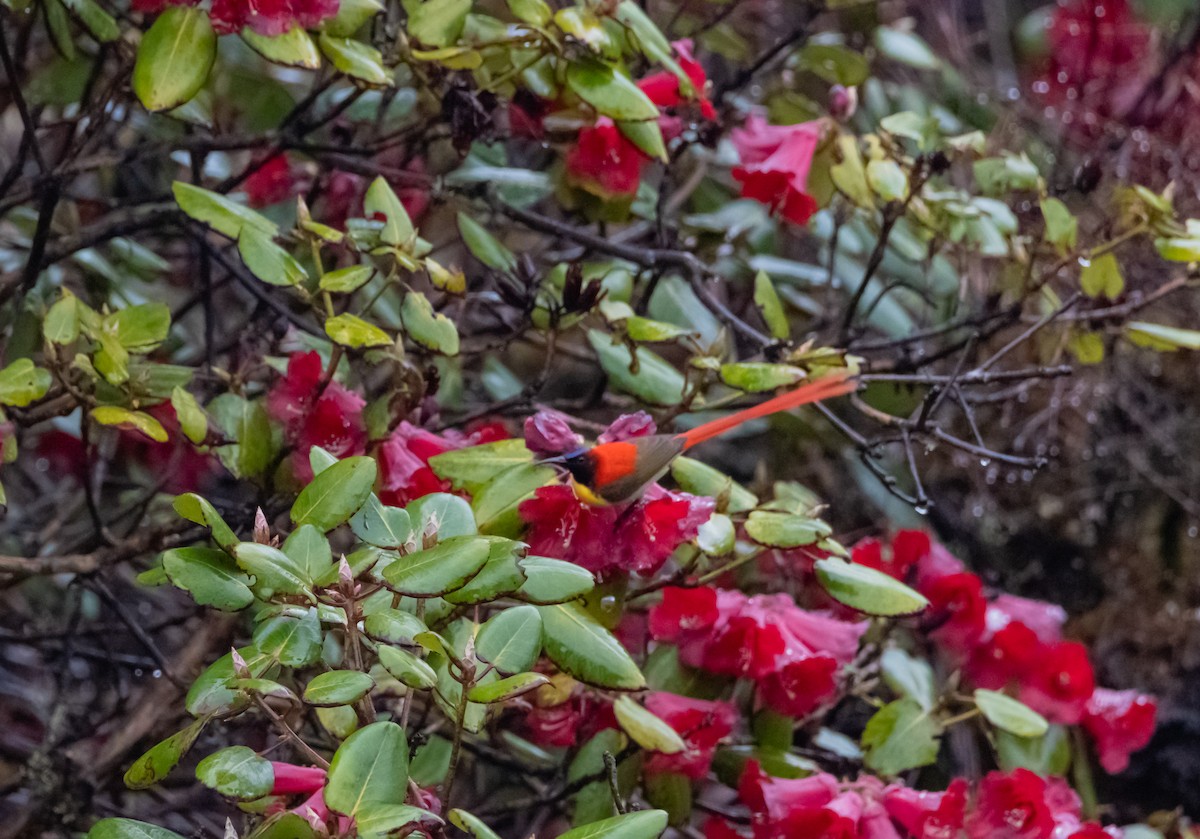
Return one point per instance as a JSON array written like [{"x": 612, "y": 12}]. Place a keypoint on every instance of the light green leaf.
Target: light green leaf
[
  {"x": 398, "y": 228},
  {"x": 443, "y": 568},
  {"x": 355, "y": 59},
  {"x": 267, "y": 260},
  {"x": 1062, "y": 228},
  {"x": 337, "y": 687},
  {"x": 646, "y": 729},
  {"x": 97, "y": 21},
  {"x": 200, "y": 510},
  {"x": 436, "y": 23},
  {"x": 909, "y": 676},
  {"x": 1179, "y": 249},
  {"x": 785, "y": 530},
  {"x": 609, "y": 91},
  {"x": 129, "y": 829},
  {"x": 511, "y": 640},
  {"x": 655, "y": 381},
  {"x": 431, "y": 330},
  {"x": 495, "y": 503},
  {"x": 501, "y": 575},
  {"x": 138, "y": 421},
  {"x": 237, "y": 772},
  {"x": 174, "y": 58},
  {"x": 393, "y": 626},
  {"x": 701, "y": 479},
  {"x": 218, "y": 212},
  {"x": 210, "y": 576},
  {"x": 508, "y": 688},
  {"x": 309, "y": 549},
  {"x": 887, "y": 180},
  {"x": 380, "y": 525},
  {"x": 1102, "y": 275},
  {"x": 1160, "y": 337},
  {"x": 356, "y": 333},
  {"x": 472, "y": 467},
  {"x": 192, "y": 419},
  {"x": 835, "y": 64},
  {"x": 157, "y": 763},
  {"x": 647, "y": 136},
  {"x": 757, "y": 376},
  {"x": 246, "y": 422},
  {"x": 867, "y": 590},
  {"x": 441, "y": 513},
  {"x": 901, "y": 736},
  {"x": 906, "y": 48},
  {"x": 461, "y": 819},
  {"x": 370, "y": 768},
  {"x": 643, "y": 824},
  {"x": 294, "y": 48},
  {"x": 407, "y": 668},
  {"x": 346, "y": 280},
  {"x": 351, "y": 16},
  {"x": 292, "y": 641},
  {"x": 1010, "y": 715},
  {"x": 273, "y": 570},
  {"x": 484, "y": 246},
  {"x": 22, "y": 383},
  {"x": 61, "y": 325},
  {"x": 335, "y": 494},
  {"x": 583, "y": 648},
  {"x": 770, "y": 306},
  {"x": 550, "y": 581}
]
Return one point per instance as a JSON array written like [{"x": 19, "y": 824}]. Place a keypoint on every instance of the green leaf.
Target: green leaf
[
  {"x": 757, "y": 376},
  {"x": 643, "y": 824},
  {"x": 701, "y": 479},
  {"x": 655, "y": 381},
  {"x": 646, "y": 729},
  {"x": 1062, "y": 228},
  {"x": 506, "y": 689},
  {"x": 461, "y": 819},
  {"x": 1179, "y": 249},
  {"x": 550, "y": 581},
  {"x": 356, "y": 333},
  {"x": 138, "y": 421},
  {"x": 647, "y": 330},
  {"x": 237, "y": 772},
  {"x": 866, "y": 589},
  {"x": 273, "y": 570},
  {"x": 901, "y": 736},
  {"x": 431, "y": 762},
  {"x": 129, "y": 829},
  {"x": 484, "y": 246},
  {"x": 370, "y": 768},
  {"x": 502, "y": 574},
  {"x": 351, "y": 16},
  {"x": 835, "y": 64},
  {"x": 583, "y": 648},
  {"x": 246, "y": 422},
  {"x": 380, "y": 821},
  {"x": 61, "y": 325},
  {"x": 142, "y": 328},
  {"x": 1160, "y": 337},
  {"x": 355, "y": 59},
  {"x": 293, "y": 642},
  {"x": 200, "y": 510},
  {"x": 430, "y": 329},
  {"x": 337, "y": 687},
  {"x": 436, "y": 23},
  {"x": 770, "y": 306},
  {"x": 407, "y": 668},
  {"x": 22, "y": 383},
  {"x": 909, "y": 676},
  {"x": 1102, "y": 275},
  {"x": 511, "y": 640},
  {"x": 267, "y": 260},
  {"x": 999, "y": 175},
  {"x": 380, "y": 525},
  {"x": 218, "y": 212},
  {"x": 887, "y": 180},
  {"x": 441, "y": 513},
  {"x": 785, "y": 530},
  {"x": 717, "y": 536},
  {"x": 473, "y": 467},
  {"x": 158, "y": 762},
  {"x": 192, "y": 419},
  {"x": 906, "y": 48},
  {"x": 393, "y": 626},
  {"x": 1046, "y": 755},
  {"x": 1010, "y": 715},
  {"x": 210, "y": 576},
  {"x": 610, "y": 92},
  {"x": 212, "y": 693},
  {"x": 308, "y": 548},
  {"x": 174, "y": 58},
  {"x": 335, "y": 494},
  {"x": 97, "y": 21},
  {"x": 346, "y": 280},
  {"x": 443, "y": 568},
  {"x": 398, "y": 229},
  {"x": 647, "y": 136},
  {"x": 495, "y": 503},
  {"x": 294, "y": 48}
]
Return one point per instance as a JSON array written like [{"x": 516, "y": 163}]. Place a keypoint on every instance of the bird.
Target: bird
[{"x": 608, "y": 474}]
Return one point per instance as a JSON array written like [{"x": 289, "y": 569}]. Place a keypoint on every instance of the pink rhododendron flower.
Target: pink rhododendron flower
[
  {"x": 638, "y": 538},
  {"x": 605, "y": 162},
  {"x": 270, "y": 17},
  {"x": 627, "y": 427},
  {"x": 1011, "y": 806},
  {"x": 291, "y": 779},
  {"x": 329, "y": 417},
  {"x": 404, "y": 470},
  {"x": 1044, "y": 619},
  {"x": 548, "y": 433},
  {"x": 775, "y": 161},
  {"x": 1060, "y": 683},
  {"x": 1120, "y": 722},
  {"x": 701, "y": 724}
]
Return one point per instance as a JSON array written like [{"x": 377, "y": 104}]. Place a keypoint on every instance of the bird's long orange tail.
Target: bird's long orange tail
[{"x": 825, "y": 387}]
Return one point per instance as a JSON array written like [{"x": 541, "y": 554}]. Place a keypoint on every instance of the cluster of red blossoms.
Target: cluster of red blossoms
[
  {"x": 1016, "y": 805},
  {"x": 319, "y": 412},
  {"x": 1014, "y": 643},
  {"x": 266, "y": 17},
  {"x": 606, "y": 540},
  {"x": 775, "y": 161},
  {"x": 792, "y": 655},
  {"x": 605, "y": 162}
]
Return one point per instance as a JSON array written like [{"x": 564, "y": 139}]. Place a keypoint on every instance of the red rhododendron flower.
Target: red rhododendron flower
[
  {"x": 638, "y": 538},
  {"x": 701, "y": 724},
  {"x": 956, "y": 610},
  {"x": 555, "y": 725},
  {"x": 291, "y": 779},
  {"x": 270, "y": 182},
  {"x": 799, "y": 687},
  {"x": 897, "y": 559},
  {"x": 1011, "y": 806},
  {"x": 663, "y": 88},
  {"x": 404, "y": 470},
  {"x": 329, "y": 417},
  {"x": 605, "y": 162},
  {"x": 269, "y": 17},
  {"x": 181, "y": 467},
  {"x": 1093, "y": 42},
  {"x": 775, "y": 165},
  {"x": 1120, "y": 722},
  {"x": 685, "y": 613},
  {"x": 1044, "y": 619},
  {"x": 1007, "y": 656},
  {"x": 1061, "y": 683},
  {"x": 928, "y": 815}
]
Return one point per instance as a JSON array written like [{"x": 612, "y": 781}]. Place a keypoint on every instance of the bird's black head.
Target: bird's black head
[{"x": 579, "y": 464}]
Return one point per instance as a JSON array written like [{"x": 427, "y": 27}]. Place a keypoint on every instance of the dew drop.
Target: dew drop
[{"x": 985, "y": 462}]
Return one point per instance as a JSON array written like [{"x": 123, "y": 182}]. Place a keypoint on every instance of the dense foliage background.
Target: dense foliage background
[{"x": 293, "y": 281}]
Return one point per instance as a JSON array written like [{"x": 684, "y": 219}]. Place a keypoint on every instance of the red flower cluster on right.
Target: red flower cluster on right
[
  {"x": 1014, "y": 643},
  {"x": 792, "y": 655},
  {"x": 1015, "y": 805}
]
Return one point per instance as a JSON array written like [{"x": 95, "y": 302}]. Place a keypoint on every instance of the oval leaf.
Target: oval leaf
[
  {"x": 337, "y": 687},
  {"x": 443, "y": 568},
  {"x": 1010, "y": 715},
  {"x": 174, "y": 58},
  {"x": 370, "y": 768},
  {"x": 237, "y": 772},
  {"x": 335, "y": 494},
  {"x": 583, "y": 648},
  {"x": 867, "y": 590}
]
